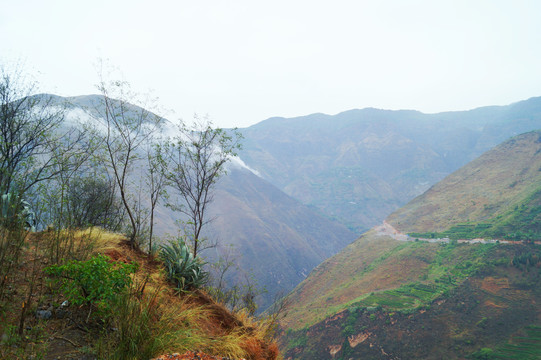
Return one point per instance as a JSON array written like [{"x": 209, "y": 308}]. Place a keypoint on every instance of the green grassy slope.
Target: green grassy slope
[
  {"x": 467, "y": 298},
  {"x": 501, "y": 187},
  {"x": 380, "y": 295}
]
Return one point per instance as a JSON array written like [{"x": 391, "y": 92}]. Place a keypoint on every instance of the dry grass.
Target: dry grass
[
  {"x": 189, "y": 321},
  {"x": 151, "y": 319}
]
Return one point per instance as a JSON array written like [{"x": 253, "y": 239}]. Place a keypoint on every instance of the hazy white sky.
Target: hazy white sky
[{"x": 244, "y": 61}]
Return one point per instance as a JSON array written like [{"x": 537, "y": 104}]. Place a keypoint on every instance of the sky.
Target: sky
[{"x": 241, "y": 62}]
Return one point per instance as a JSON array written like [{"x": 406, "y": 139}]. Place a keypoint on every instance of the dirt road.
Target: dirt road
[{"x": 387, "y": 229}]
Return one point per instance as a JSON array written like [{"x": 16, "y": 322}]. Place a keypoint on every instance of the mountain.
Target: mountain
[
  {"x": 354, "y": 168},
  {"x": 273, "y": 239},
  {"x": 279, "y": 240},
  {"x": 381, "y": 298},
  {"x": 360, "y": 165},
  {"x": 497, "y": 189}
]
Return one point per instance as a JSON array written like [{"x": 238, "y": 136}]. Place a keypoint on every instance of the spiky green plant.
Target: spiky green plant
[
  {"x": 15, "y": 211},
  {"x": 182, "y": 268}
]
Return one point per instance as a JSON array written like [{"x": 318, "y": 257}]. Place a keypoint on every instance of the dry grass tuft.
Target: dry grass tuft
[{"x": 185, "y": 321}]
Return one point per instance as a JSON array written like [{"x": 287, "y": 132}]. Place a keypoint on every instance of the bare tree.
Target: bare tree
[
  {"x": 197, "y": 158},
  {"x": 31, "y": 153},
  {"x": 28, "y": 133},
  {"x": 156, "y": 182},
  {"x": 127, "y": 129},
  {"x": 69, "y": 156}
]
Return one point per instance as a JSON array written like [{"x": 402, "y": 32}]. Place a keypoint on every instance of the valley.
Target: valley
[
  {"x": 313, "y": 184},
  {"x": 430, "y": 282}
]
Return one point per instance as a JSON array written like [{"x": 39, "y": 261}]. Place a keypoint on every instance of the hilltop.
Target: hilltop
[{"x": 381, "y": 298}]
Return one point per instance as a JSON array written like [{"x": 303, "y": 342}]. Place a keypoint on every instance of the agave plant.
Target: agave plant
[
  {"x": 182, "y": 268},
  {"x": 15, "y": 211}
]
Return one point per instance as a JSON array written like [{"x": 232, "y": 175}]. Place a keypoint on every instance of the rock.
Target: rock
[{"x": 44, "y": 314}]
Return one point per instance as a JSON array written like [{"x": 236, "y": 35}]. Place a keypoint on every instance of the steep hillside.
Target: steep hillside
[
  {"x": 381, "y": 298},
  {"x": 278, "y": 241},
  {"x": 272, "y": 238},
  {"x": 426, "y": 301},
  {"x": 360, "y": 165},
  {"x": 494, "y": 189}
]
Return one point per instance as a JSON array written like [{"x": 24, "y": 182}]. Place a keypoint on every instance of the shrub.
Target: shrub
[
  {"x": 182, "y": 268},
  {"x": 483, "y": 354},
  {"x": 95, "y": 282}
]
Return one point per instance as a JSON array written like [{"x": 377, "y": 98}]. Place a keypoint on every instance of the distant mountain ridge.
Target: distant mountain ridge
[{"x": 360, "y": 165}]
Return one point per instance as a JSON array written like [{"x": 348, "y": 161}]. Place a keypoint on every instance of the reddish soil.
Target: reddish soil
[
  {"x": 494, "y": 285},
  {"x": 191, "y": 355}
]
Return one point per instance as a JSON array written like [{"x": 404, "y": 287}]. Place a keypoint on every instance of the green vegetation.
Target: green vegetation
[
  {"x": 351, "y": 320},
  {"x": 522, "y": 222},
  {"x": 15, "y": 211},
  {"x": 96, "y": 281},
  {"x": 406, "y": 296},
  {"x": 457, "y": 232},
  {"x": 182, "y": 268},
  {"x": 527, "y": 347},
  {"x": 298, "y": 341},
  {"x": 450, "y": 265}
]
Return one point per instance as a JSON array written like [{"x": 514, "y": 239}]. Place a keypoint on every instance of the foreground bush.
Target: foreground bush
[{"x": 96, "y": 282}]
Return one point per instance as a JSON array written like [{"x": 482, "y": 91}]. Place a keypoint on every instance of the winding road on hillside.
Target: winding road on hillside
[{"x": 387, "y": 229}]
